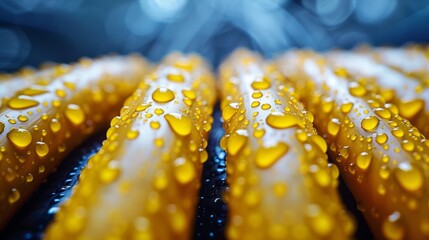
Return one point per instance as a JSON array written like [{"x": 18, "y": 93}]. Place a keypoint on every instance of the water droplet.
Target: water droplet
[
  {"x": 42, "y": 149},
  {"x": 398, "y": 132},
  {"x": 236, "y": 142},
  {"x": 356, "y": 89},
  {"x": 163, "y": 95},
  {"x": 369, "y": 123},
  {"x": 363, "y": 160},
  {"x": 267, "y": 156},
  {"x": 110, "y": 173},
  {"x": 1, "y": 127},
  {"x": 20, "y": 138},
  {"x": 408, "y": 145},
  {"x": 33, "y": 91},
  {"x": 29, "y": 177},
  {"x": 279, "y": 189},
  {"x": 381, "y": 138},
  {"x": 175, "y": 77},
  {"x": 75, "y": 114},
  {"x": 409, "y": 176},
  {"x": 179, "y": 124},
  {"x": 184, "y": 171},
  {"x": 22, "y": 102},
  {"x": 279, "y": 120},
  {"x": 383, "y": 113},
  {"x": 257, "y": 94},
  {"x": 346, "y": 107},
  {"x": 265, "y": 106},
  {"x": 261, "y": 84},
  {"x": 132, "y": 134},
  {"x": 392, "y": 227},
  {"x": 14, "y": 195},
  {"x": 189, "y": 93},
  {"x": 55, "y": 125},
  {"x": 143, "y": 107},
  {"x": 334, "y": 126},
  {"x": 155, "y": 125},
  {"x": 409, "y": 109},
  {"x": 255, "y": 104},
  {"x": 229, "y": 111},
  {"x": 60, "y": 93},
  {"x": 22, "y": 118},
  {"x": 320, "y": 142}
]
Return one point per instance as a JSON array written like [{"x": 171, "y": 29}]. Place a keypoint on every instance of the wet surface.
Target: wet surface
[
  {"x": 211, "y": 209},
  {"x": 34, "y": 217}
]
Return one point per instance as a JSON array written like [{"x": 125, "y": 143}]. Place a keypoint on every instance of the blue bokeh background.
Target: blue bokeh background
[{"x": 35, "y": 31}]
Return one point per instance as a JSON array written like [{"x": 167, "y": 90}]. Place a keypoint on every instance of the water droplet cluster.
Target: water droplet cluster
[
  {"x": 42, "y": 121},
  {"x": 383, "y": 158},
  {"x": 144, "y": 181},
  {"x": 281, "y": 185}
]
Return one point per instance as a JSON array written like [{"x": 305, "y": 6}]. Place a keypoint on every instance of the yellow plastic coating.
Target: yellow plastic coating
[
  {"x": 409, "y": 94},
  {"x": 281, "y": 185},
  {"x": 382, "y": 158},
  {"x": 41, "y": 123},
  {"x": 144, "y": 181}
]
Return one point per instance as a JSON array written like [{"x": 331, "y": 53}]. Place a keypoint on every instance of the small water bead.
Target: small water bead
[
  {"x": 175, "y": 77},
  {"x": 265, "y": 106},
  {"x": 110, "y": 172},
  {"x": 155, "y": 125},
  {"x": 357, "y": 89},
  {"x": 346, "y": 107},
  {"x": 33, "y": 91},
  {"x": 334, "y": 126},
  {"x": 74, "y": 114},
  {"x": 236, "y": 142},
  {"x": 1, "y": 127},
  {"x": 163, "y": 95},
  {"x": 184, "y": 171},
  {"x": 55, "y": 125},
  {"x": 22, "y": 118},
  {"x": 42, "y": 149},
  {"x": 267, "y": 156},
  {"x": 320, "y": 142},
  {"x": 12, "y": 121},
  {"x": 381, "y": 138},
  {"x": 229, "y": 111},
  {"x": 409, "y": 109},
  {"x": 14, "y": 196},
  {"x": 408, "y": 145},
  {"x": 158, "y": 111},
  {"x": 132, "y": 134},
  {"x": 409, "y": 176},
  {"x": 262, "y": 84},
  {"x": 398, "y": 132},
  {"x": 22, "y": 102},
  {"x": 369, "y": 123},
  {"x": 280, "y": 120},
  {"x": 364, "y": 160},
  {"x": 180, "y": 124},
  {"x": 60, "y": 93},
  {"x": 257, "y": 94},
  {"x": 189, "y": 93},
  {"x": 383, "y": 113},
  {"x": 159, "y": 142},
  {"x": 29, "y": 177},
  {"x": 393, "y": 228},
  {"x": 143, "y": 106},
  {"x": 20, "y": 138},
  {"x": 255, "y": 104}
]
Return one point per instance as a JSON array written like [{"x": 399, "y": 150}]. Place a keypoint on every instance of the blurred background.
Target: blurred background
[{"x": 35, "y": 31}]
